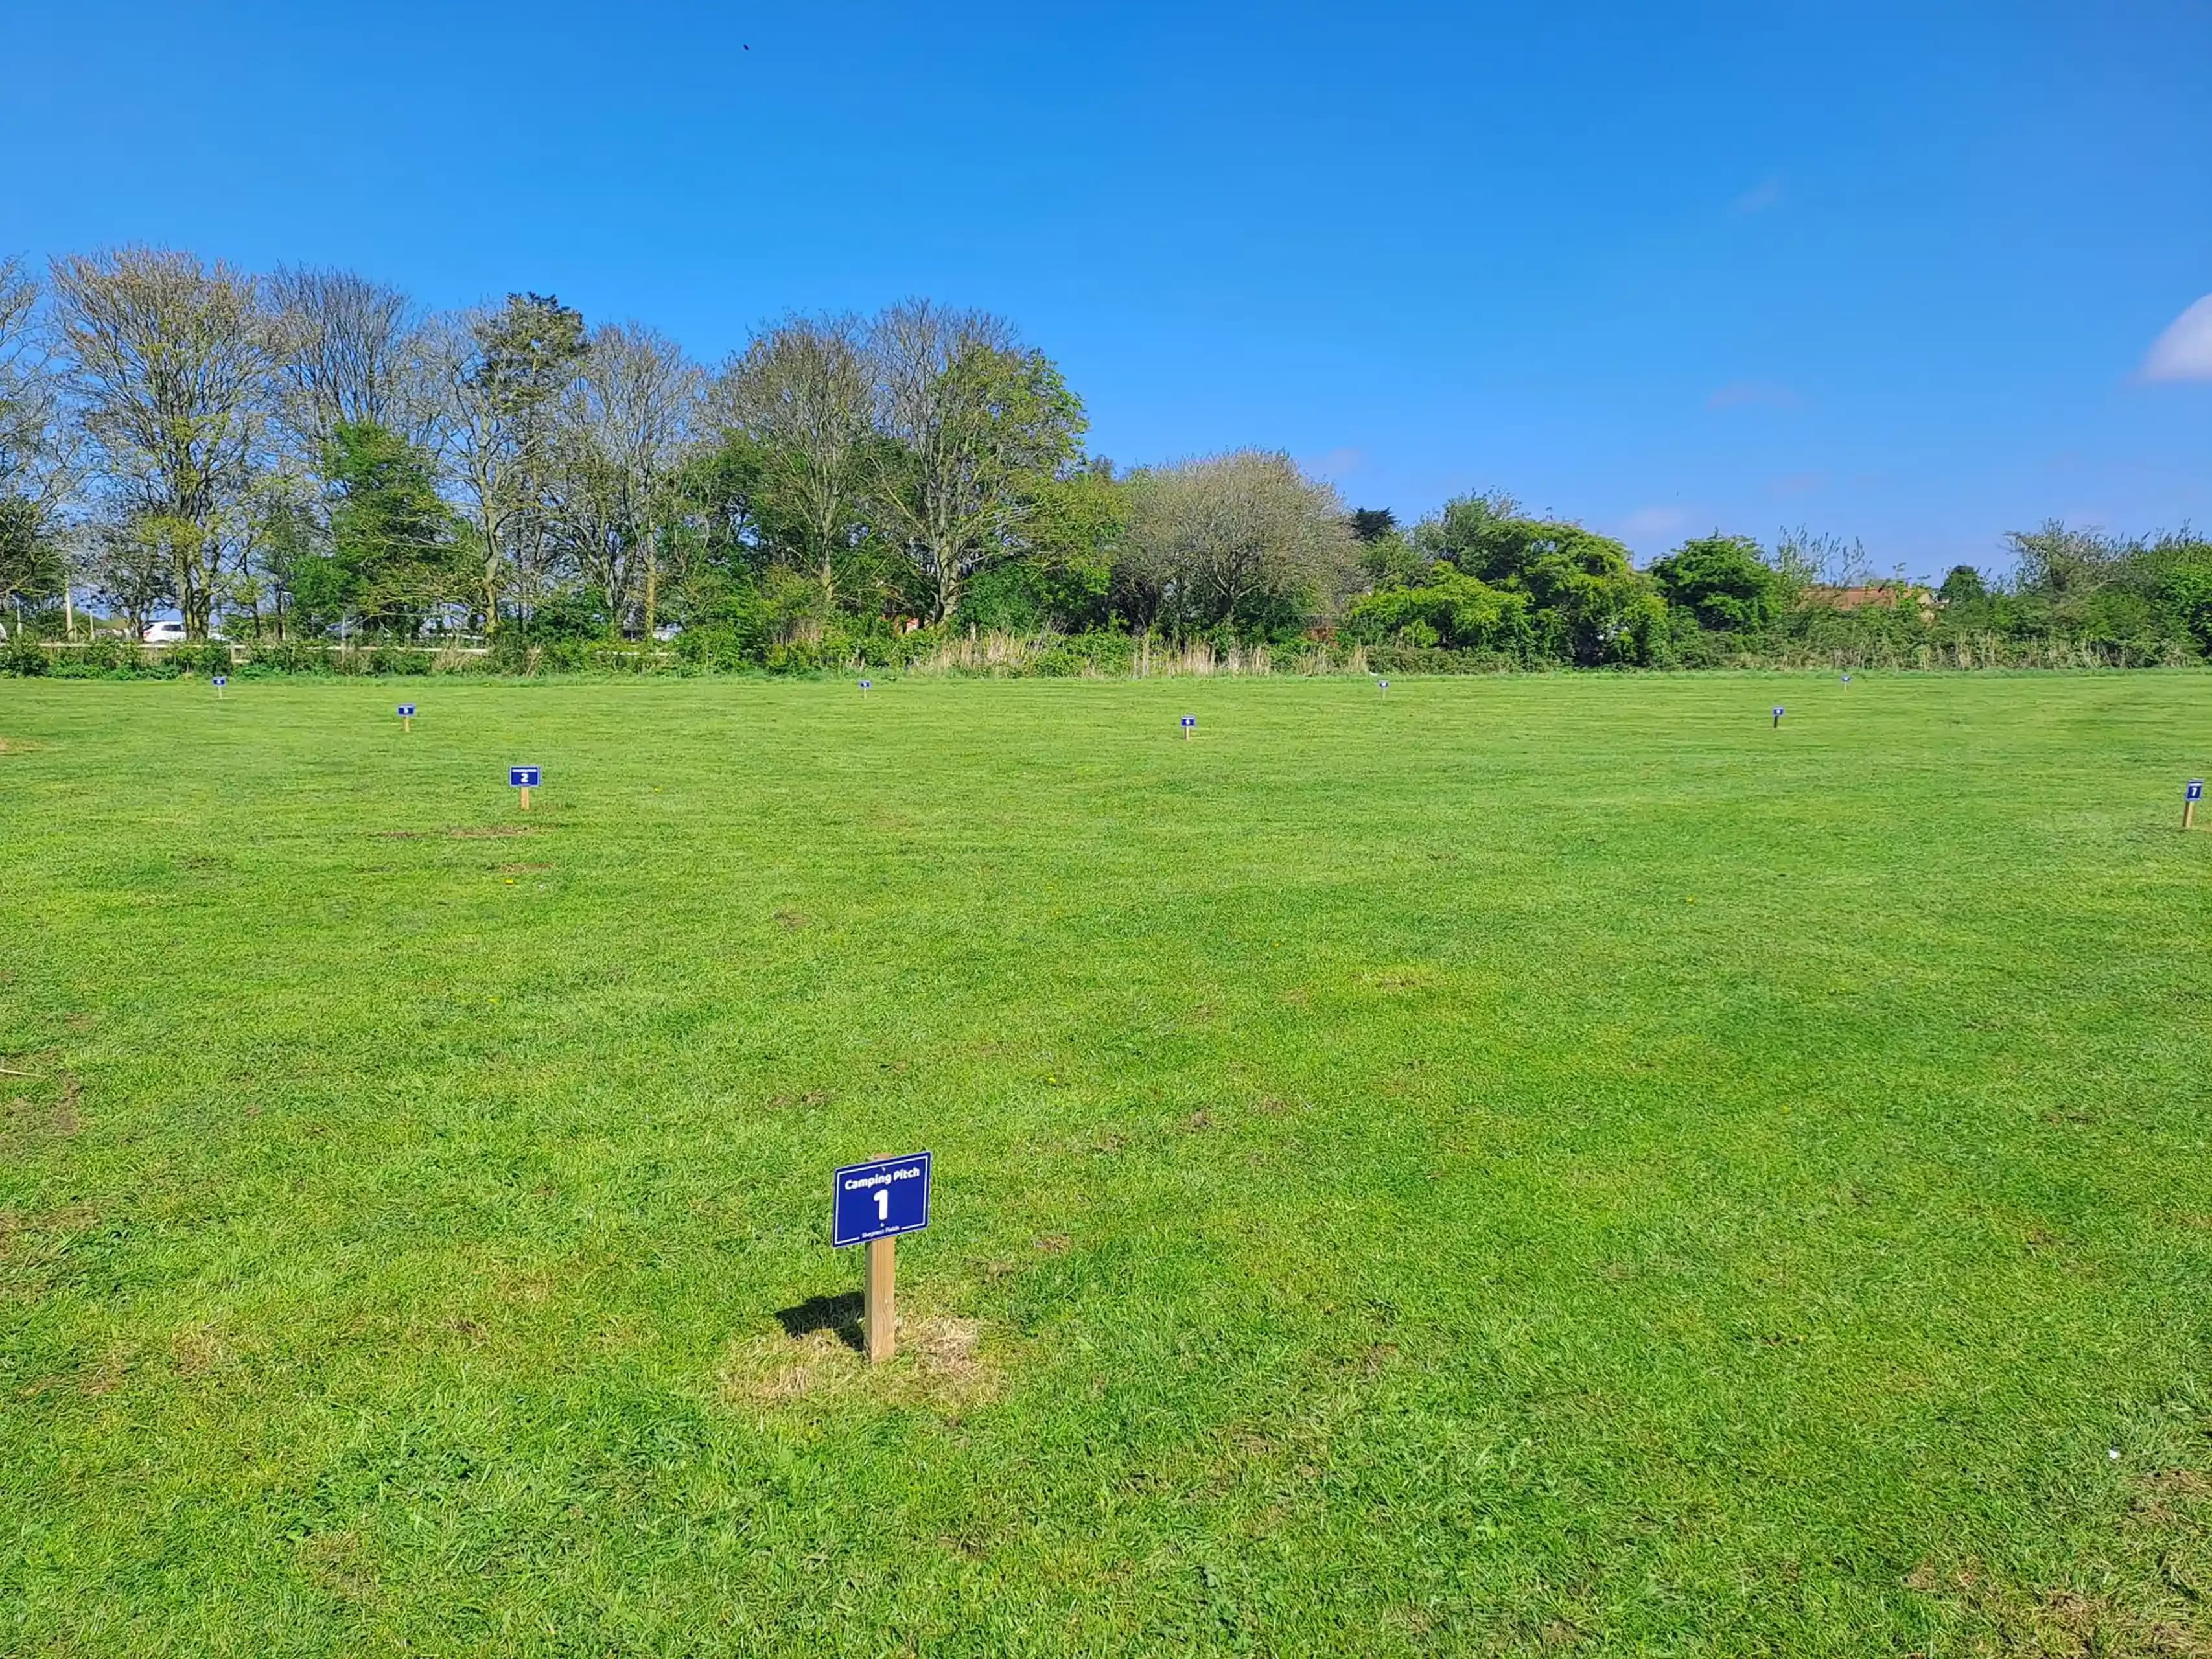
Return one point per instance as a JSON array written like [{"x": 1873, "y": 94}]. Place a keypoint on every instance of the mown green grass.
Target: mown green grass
[{"x": 1521, "y": 1164}]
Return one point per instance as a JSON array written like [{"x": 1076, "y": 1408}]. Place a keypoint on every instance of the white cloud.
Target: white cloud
[
  {"x": 1760, "y": 196},
  {"x": 1655, "y": 521},
  {"x": 2184, "y": 352}
]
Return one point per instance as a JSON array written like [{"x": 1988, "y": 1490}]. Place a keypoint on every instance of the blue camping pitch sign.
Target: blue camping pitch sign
[
  {"x": 406, "y": 711},
  {"x": 1777, "y": 713},
  {"x": 1189, "y": 725},
  {"x": 2196, "y": 789},
  {"x": 2188, "y": 799},
  {"x": 872, "y": 1204},
  {"x": 522, "y": 777},
  {"x": 880, "y": 1200}
]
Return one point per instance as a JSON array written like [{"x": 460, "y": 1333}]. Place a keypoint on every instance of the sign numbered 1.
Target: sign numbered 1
[
  {"x": 2195, "y": 793},
  {"x": 872, "y": 1204},
  {"x": 880, "y": 1200}
]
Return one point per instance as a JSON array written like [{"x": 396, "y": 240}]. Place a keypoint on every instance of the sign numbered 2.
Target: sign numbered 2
[
  {"x": 522, "y": 777},
  {"x": 880, "y": 1200}
]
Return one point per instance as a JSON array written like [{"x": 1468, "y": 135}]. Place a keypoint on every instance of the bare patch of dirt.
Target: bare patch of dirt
[
  {"x": 107, "y": 1373},
  {"x": 17, "y": 746},
  {"x": 490, "y": 831},
  {"x": 1053, "y": 1243},
  {"x": 340, "y": 1563},
  {"x": 519, "y": 869},
  {"x": 199, "y": 1349},
  {"x": 940, "y": 1365},
  {"x": 792, "y": 920}
]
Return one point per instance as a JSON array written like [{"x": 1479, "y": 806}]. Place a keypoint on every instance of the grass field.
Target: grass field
[{"x": 1523, "y": 1164}]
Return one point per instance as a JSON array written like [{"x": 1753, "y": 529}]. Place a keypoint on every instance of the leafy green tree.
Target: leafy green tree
[
  {"x": 2177, "y": 573},
  {"x": 1964, "y": 586},
  {"x": 32, "y": 570},
  {"x": 1447, "y": 608},
  {"x": 501, "y": 374},
  {"x": 1724, "y": 581},
  {"x": 801, "y": 392},
  {"x": 1372, "y": 523},
  {"x": 1063, "y": 577},
  {"x": 1589, "y": 604},
  {"x": 976, "y": 425},
  {"x": 394, "y": 556}
]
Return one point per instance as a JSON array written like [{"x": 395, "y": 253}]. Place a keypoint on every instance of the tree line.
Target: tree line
[{"x": 306, "y": 455}]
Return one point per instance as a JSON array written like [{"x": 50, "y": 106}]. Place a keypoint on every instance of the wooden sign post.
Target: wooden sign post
[
  {"x": 1777, "y": 717},
  {"x": 2190, "y": 797},
  {"x": 872, "y": 1204},
  {"x": 879, "y": 1305},
  {"x": 524, "y": 778},
  {"x": 867, "y": 686},
  {"x": 1382, "y": 685},
  {"x": 1189, "y": 725},
  {"x": 221, "y": 680},
  {"x": 407, "y": 717}
]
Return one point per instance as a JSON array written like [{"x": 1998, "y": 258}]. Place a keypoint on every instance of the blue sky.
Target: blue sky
[{"x": 1892, "y": 272}]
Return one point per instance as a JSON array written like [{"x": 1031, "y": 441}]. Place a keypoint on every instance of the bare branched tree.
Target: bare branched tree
[
  {"x": 169, "y": 364},
  {"x": 1207, "y": 539},
  {"x": 801, "y": 392},
  {"x": 624, "y": 424},
  {"x": 37, "y": 459},
  {"x": 974, "y": 423},
  {"x": 347, "y": 350}
]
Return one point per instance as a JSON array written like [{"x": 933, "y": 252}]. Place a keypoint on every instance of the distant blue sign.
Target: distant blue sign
[
  {"x": 1382, "y": 686},
  {"x": 1847, "y": 679},
  {"x": 867, "y": 685},
  {"x": 406, "y": 711},
  {"x": 880, "y": 1201},
  {"x": 1778, "y": 711},
  {"x": 2196, "y": 789},
  {"x": 1189, "y": 721},
  {"x": 522, "y": 777},
  {"x": 222, "y": 679}
]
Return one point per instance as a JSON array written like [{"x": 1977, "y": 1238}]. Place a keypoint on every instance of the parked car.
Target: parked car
[
  {"x": 164, "y": 633},
  {"x": 667, "y": 631}
]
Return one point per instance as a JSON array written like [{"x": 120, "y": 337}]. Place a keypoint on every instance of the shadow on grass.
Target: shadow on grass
[{"x": 839, "y": 1313}]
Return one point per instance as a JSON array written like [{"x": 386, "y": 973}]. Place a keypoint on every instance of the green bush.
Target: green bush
[{"x": 24, "y": 656}]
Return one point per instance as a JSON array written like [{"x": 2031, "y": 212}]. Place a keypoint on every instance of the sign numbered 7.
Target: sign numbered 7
[{"x": 880, "y": 1200}]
